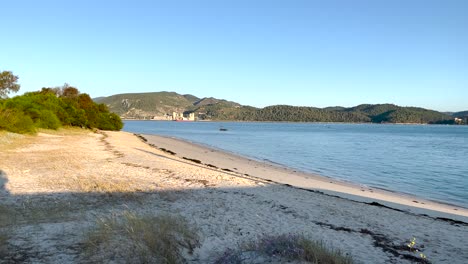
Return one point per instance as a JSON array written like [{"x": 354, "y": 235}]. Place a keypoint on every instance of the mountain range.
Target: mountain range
[{"x": 161, "y": 105}]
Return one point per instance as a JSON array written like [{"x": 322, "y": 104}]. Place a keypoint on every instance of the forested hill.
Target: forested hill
[
  {"x": 460, "y": 114},
  {"x": 380, "y": 113},
  {"x": 160, "y": 105},
  {"x": 143, "y": 105}
]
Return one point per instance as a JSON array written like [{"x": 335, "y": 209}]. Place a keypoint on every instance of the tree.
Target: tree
[
  {"x": 69, "y": 91},
  {"x": 8, "y": 83}
]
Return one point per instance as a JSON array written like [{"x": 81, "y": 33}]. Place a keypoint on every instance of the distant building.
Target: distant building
[
  {"x": 463, "y": 120},
  {"x": 177, "y": 116},
  {"x": 162, "y": 117},
  {"x": 190, "y": 117},
  {"x": 181, "y": 117}
]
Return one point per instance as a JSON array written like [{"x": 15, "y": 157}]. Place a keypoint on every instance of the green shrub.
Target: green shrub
[
  {"x": 16, "y": 121},
  {"x": 51, "y": 109},
  {"x": 47, "y": 119},
  {"x": 109, "y": 121}
]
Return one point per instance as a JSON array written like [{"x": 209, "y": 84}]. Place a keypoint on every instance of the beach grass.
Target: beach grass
[
  {"x": 96, "y": 184},
  {"x": 6, "y": 214},
  {"x": 9, "y": 140},
  {"x": 5, "y": 221},
  {"x": 36, "y": 212},
  {"x": 3, "y": 243},
  {"x": 288, "y": 247},
  {"x": 65, "y": 131},
  {"x": 141, "y": 239}
]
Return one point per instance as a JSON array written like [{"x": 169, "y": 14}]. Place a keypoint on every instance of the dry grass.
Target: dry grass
[
  {"x": 13, "y": 140},
  {"x": 93, "y": 184},
  {"x": 5, "y": 221},
  {"x": 36, "y": 212},
  {"x": 97, "y": 184},
  {"x": 283, "y": 248},
  {"x": 3, "y": 244},
  {"x": 128, "y": 238},
  {"x": 65, "y": 131},
  {"x": 9, "y": 141},
  {"x": 6, "y": 214}
]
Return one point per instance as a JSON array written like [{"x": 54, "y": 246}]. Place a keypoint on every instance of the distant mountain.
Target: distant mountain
[
  {"x": 191, "y": 98},
  {"x": 460, "y": 114},
  {"x": 385, "y": 113},
  {"x": 213, "y": 101},
  {"x": 147, "y": 105},
  {"x": 390, "y": 113},
  {"x": 160, "y": 105},
  {"x": 334, "y": 108}
]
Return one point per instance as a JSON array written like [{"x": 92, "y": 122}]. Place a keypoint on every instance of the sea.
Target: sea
[{"x": 428, "y": 161}]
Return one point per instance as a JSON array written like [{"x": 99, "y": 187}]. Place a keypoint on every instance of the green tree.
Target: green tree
[
  {"x": 8, "y": 83},
  {"x": 52, "y": 108}
]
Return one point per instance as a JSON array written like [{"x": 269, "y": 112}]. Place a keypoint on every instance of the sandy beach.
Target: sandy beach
[
  {"x": 56, "y": 186},
  {"x": 275, "y": 173}
]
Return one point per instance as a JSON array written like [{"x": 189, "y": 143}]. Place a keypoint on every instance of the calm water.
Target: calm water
[{"x": 426, "y": 161}]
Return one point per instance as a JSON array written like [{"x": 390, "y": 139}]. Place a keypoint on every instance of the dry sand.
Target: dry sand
[{"x": 53, "y": 187}]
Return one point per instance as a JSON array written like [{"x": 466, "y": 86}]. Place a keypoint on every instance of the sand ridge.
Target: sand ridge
[{"x": 78, "y": 177}]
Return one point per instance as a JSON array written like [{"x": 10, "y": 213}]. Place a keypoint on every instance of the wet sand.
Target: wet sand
[{"x": 229, "y": 162}]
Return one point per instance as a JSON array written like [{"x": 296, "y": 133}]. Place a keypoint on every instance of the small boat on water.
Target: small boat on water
[{"x": 223, "y": 129}]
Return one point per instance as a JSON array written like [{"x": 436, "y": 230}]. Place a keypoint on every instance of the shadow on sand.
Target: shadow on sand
[{"x": 52, "y": 227}]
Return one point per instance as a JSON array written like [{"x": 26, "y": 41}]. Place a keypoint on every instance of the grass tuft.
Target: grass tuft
[
  {"x": 5, "y": 216},
  {"x": 281, "y": 248},
  {"x": 141, "y": 239},
  {"x": 94, "y": 184},
  {"x": 3, "y": 244},
  {"x": 5, "y": 221}
]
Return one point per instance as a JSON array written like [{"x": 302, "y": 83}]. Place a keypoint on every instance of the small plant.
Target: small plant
[
  {"x": 6, "y": 217},
  {"x": 282, "y": 248},
  {"x": 141, "y": 239},
  {"x": 3, "y": 244},
  {"x": 412, "y": 248}
]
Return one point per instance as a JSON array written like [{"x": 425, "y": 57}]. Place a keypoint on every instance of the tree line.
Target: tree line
[
  {"x": 381, "y": 113},
  {"x": 51, "y": 108}
]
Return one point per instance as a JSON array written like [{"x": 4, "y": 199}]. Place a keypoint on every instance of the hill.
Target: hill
[
  {"x": 460, "y": 114},
  {"x": 390, "y": 113},
  {"x": 160, "y": 105},
  {"x": 148, "y": 105}
]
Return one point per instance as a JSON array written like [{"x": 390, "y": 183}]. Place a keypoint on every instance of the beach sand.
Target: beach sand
[
  {"x": 278, "y": 174},
  {"x": 55, "y": 185}
]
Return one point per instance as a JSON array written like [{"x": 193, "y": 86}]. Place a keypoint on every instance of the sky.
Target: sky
[{"x": 254, "y": 52}]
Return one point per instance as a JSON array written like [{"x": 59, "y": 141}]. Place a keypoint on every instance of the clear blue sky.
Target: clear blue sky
[{"x": 255, "y": 52}]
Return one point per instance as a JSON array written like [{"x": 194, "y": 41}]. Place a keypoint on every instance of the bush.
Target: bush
[
  {"x": 16, "y": 121},
  {"x": 51, "y": 109},
  {"x": 141, "y": 239},
  {"x": 47, "y": 119},
  {"x": 109, "y": 121},
  {"x": 283, "y": 248}
]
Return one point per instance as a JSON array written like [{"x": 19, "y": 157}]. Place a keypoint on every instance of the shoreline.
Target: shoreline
[
  {"x": 230, "y": 162},
  {"x": 296, "y": 122}
]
